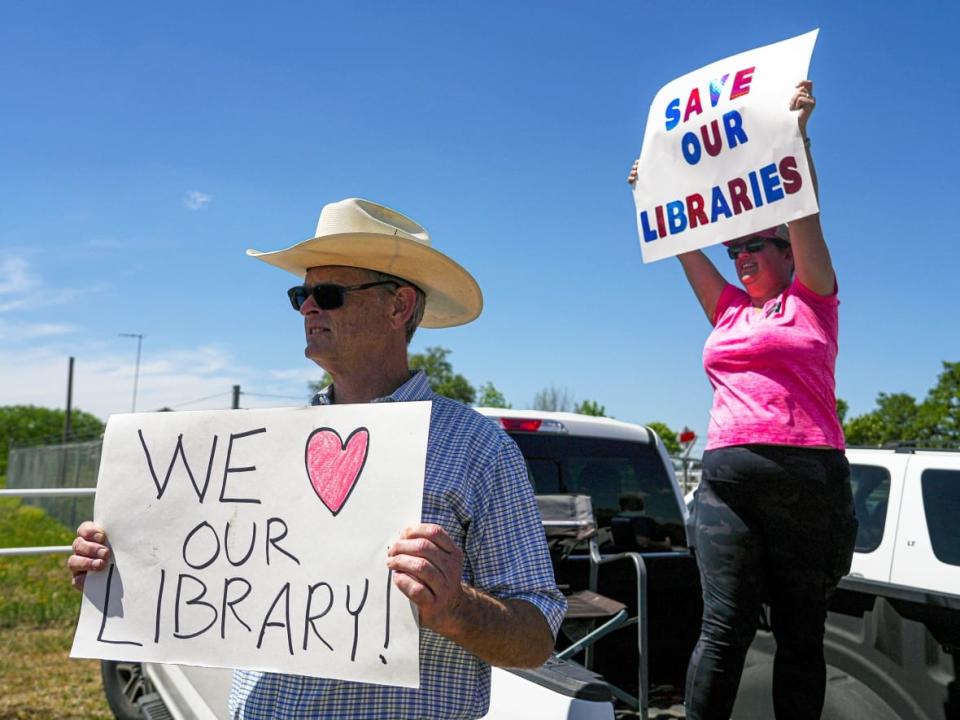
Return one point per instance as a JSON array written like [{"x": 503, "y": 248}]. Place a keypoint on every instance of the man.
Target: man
[{"x": 477, "y": 566}]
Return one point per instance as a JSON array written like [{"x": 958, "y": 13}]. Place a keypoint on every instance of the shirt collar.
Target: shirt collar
[{"x": 416, "y": 388}]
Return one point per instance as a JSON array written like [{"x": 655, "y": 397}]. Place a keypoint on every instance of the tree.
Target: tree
[
  {"x": 898, "y": 417},
  {"x": 939, "y": 415},
  {"x": 443, "y": 380},
  {"x": 668, "y": 436},
  {"x": 868, "y": 429},
  {"x": 894, "y": 419},
  {"x": 31, "y": 425},
  {"x": 591, "y": 407},
  {"x": 490, "y": 397},
  {"x": 843, "y": 407},
  {"x": 553, "y": 399}
]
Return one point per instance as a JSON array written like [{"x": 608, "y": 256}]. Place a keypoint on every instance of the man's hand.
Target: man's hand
[
  {"x": 427, "y": 566},
  {"x": 90, "y": 552}
]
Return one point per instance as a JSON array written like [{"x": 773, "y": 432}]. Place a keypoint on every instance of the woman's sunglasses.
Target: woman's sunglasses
[
  {"x": 754, "y": 244},
  {"x": 328, "y": 296}
]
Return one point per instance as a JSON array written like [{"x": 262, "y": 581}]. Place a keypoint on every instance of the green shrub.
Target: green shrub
[{"x": 31, "y": 425}]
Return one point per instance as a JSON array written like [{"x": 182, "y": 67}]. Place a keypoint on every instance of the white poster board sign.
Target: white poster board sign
[
  {"x": 722, "y": 155},
  {"x": 258, "y": 539}
]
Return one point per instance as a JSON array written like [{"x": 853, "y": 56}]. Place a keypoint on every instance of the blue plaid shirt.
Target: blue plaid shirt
[{"x": 476, "y": 488}]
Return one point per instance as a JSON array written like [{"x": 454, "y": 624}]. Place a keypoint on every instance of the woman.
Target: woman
[{"x": 773, "y": 515}]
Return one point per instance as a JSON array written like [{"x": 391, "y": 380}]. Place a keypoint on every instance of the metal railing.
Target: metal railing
[{"x": 43, "y": 492}]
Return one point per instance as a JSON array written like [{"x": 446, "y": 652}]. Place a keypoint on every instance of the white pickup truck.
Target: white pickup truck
[{"x": 893, "y": 631}]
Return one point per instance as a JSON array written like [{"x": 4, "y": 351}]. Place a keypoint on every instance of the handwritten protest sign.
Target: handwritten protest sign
[
  {"x": 258, "y": 539},
  {"x": 722, "y": 155}
]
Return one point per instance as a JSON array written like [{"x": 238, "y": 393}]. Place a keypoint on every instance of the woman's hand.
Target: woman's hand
[
  {"x": 811, "y": 258},
  {"x": 632, "y": 177},
  {"x": 804, "y": 101}
]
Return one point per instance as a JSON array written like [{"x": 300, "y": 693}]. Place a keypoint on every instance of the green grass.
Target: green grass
[
  {"x": 40, "y": 681},
  {"x": 36, "y": 589},
  {"x": 38, "y": 613}
]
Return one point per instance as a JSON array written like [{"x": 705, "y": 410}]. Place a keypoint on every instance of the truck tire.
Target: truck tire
[{"x": 124, "y": 683}]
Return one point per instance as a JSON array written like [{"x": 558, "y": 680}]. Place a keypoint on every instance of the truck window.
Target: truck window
[
  {"x": 544, "y": 473},
  {"x": 871, "y": 490},
  {"x": 941, "y": 505},
  {"x": 627, "y": 482}
]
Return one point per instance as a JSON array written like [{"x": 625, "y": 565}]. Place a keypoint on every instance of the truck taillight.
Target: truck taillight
[
  {"x": 512, "y": 424},
  {"x": 520, "y": 424}
]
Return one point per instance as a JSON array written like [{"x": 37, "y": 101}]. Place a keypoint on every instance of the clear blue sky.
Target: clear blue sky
[{"x": 143, "y": 149}]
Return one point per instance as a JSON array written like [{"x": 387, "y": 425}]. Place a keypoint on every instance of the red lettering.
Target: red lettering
[
  {"x": 693, "y": 104},
  {"x": 741, "y": 82},
  {"x": 792, "y": 180},
  {"x": 738, "y": 195},
  {"x": 713, "y": 145},
  {"x": 661, "y": 224},
  {"x": 695, "y": 210}
]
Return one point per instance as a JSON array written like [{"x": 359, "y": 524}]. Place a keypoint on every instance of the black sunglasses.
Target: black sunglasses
[
  {"x": 754, "y": 244},
  {"x": 328, "y": 296}
]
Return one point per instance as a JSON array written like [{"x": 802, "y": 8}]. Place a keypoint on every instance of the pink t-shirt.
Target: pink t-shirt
[{"x": 772, "y": 370}]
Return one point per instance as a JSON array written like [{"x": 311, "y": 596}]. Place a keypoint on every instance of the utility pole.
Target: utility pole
[
  {"x": 67, "y": 427},
  {"x": 136, "y": 372},
  {"x": 68, "y": 422},
  {"x": 236, "y": 397}
]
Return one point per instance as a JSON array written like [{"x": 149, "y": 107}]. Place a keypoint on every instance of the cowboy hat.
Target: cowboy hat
[{"x": 363, "y": 234}]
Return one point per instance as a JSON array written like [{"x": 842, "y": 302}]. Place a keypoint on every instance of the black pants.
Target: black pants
[{"x": 771, "y": 524}]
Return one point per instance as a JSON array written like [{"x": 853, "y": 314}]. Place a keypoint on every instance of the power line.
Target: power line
[
  {"x": 282, "y": 397},
  {"x": 194, "y": 402}
]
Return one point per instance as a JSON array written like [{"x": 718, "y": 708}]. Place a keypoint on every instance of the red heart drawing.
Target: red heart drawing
[{"x": 334, "y": 466}]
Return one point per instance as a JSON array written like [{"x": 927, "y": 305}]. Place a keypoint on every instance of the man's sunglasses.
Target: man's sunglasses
[
  {"x": 328, "y": 296},
  {"x": 754, "y": 244}
]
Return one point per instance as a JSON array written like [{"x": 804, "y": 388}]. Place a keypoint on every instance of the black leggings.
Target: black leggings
[{"x": 771, "y": 524}]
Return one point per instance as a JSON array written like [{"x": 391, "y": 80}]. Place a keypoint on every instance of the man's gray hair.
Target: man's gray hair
[{"x": 419, "y": 305}]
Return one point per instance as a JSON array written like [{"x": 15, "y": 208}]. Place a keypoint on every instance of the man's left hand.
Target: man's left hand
[{"x": 427, "y": 566}]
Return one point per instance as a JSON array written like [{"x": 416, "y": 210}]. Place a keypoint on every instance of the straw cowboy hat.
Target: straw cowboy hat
[{"x": 363, "y": 234}]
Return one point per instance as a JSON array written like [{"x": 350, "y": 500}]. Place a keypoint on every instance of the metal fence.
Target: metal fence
[
  {"x": 55, "y": 467},
  {"x": 687, "y": 470}
]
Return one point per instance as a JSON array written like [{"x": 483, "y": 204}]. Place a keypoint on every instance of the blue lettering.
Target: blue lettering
[
  {"x": 718, "y": 205},
  {"x": 716, "y": 87},
  {"x": 755, "y": 188},
  {"x": 673, "y": 113},
  {"x": 648, "y": 234},
  {"x": 691, "y": 148},
  {"x": 733, "y": 124},
  {"x": 676, "y": 218},
  {"x": 771, "y": 183}
]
